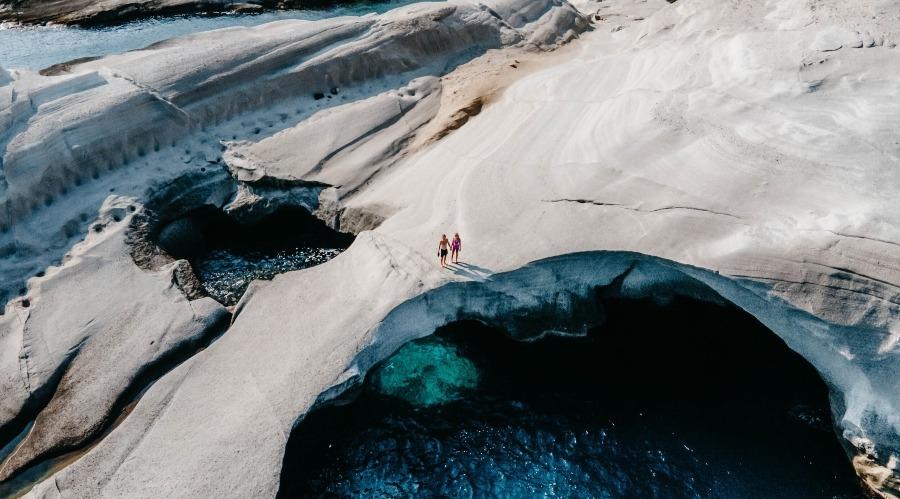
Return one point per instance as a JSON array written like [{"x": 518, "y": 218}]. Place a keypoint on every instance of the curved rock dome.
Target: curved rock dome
[{"x": 723, "y": 150}]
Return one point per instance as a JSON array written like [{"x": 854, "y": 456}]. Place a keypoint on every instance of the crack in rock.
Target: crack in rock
[{"x": 639, "y": 210}]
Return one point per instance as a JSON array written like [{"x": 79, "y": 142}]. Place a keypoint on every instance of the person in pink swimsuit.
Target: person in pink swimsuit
[{"x": 455, "y": 246}]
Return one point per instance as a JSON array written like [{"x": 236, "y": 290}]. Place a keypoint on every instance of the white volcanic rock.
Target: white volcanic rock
[
  {"x": 118, "y": 120},
  {"x": 139, "y": 139},
  {"x": 118, "y": 11},
  {"x": 344, "y": 145},
  {"x": 236, "y": 451},
  {"x": 737, "y": 150},
  {"x": 85, "y": 333},
  {"x": 710, "y": 147},
  {"x": 836, "y": 38}
]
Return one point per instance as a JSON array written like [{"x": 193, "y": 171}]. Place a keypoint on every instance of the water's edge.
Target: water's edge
[
  {"x": 645, "y": 406},
  {"x": 39, "y": 47}
]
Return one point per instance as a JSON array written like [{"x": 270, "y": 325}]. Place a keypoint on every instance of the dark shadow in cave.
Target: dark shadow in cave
[
  {"x": 226, "y": 255},
  {"x": 686, "y": 399}
]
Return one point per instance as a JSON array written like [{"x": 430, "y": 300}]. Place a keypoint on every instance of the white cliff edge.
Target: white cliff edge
[{"x": 724, "y": 150}]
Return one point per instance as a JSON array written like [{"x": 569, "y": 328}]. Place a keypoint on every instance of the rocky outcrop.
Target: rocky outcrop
[
  {"x": 88, "y": 13},
  {"x": 346, "y": 145},
  {"x": 126, "y": 122},
  {"x": 72, "y": 349},
  {"x": 731, "y": 151},
  {"x": 119, "y": 148}
]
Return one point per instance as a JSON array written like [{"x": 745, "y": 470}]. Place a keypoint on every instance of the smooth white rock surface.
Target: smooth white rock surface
[
  {"x": 716, "y": 134},
  {"x": 87, "y": 151},
  {"x": 97, "y": 323}
]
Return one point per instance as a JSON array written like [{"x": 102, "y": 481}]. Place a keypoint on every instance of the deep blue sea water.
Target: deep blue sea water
[
  {"x": 685, "y": 400},
  {"x": 682, "y": 401}
]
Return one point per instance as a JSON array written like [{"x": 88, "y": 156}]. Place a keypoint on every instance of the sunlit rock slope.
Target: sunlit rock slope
[{"x": 729, "y": 150}]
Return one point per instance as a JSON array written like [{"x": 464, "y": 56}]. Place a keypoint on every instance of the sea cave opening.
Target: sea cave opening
[
  {"x": 681, "y": 399},
  {"x": 227, "y": 254}
]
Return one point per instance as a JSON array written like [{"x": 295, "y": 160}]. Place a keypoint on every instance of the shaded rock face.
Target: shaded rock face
[
  {"x": 675, "y": 399},
  {"x": 105, "y": 162},
  {"x": 226, "y": 256},
  {"x": 222, "y": 234},
  {"x": 183, "y": 237},
  {"x": 140, "y": 119},
  {"x": 88, "y": 13},
  {"x": 728, "y": 151},
  {"x": 73, "y": 382}
]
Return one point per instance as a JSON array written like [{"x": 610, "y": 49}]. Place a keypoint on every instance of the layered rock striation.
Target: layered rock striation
[
  {"x": 88, "y": 13},
  {"x": 102, "y": 158},
  {"x": 729, "y": 151}
]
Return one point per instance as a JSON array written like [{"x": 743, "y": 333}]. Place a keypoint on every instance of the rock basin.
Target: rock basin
[{"x": 684, "y": 399}]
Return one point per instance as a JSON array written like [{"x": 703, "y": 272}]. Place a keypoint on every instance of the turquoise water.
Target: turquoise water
[
  {"x": 38, "y": 47},
  {"x": 685, "y": 401},
  {"x": 426, "y": 373}
]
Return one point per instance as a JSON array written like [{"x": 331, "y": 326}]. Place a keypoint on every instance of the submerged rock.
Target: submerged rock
[
  {"x": 426, "y": 373},
  {"x": 226, "y": 274},
  {"x": 139, "y": 139},
  {"x": 630, "y": 410}
]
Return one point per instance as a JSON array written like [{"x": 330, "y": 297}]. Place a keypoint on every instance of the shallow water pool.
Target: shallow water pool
[{"x": 227, "y": 256}]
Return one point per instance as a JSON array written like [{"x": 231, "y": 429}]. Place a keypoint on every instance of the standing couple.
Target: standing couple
[{"x": 454, "y": 246}]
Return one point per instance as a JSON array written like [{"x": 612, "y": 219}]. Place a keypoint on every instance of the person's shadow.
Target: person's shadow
[{"x": 470, "y": 271}]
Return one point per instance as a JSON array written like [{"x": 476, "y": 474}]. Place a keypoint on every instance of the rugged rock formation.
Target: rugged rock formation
[
  {"x": 235, "y": 83},
  {"x": 75, "y": 346},
  {"x": 728, "y": 150},
  {"x": 139, "y": 139},
  {"x": 86, "y": 12},
  {"x": 346, "y": 145}
]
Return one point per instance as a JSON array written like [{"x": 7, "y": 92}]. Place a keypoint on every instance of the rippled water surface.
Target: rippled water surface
[
  {"x": 228, "y": 256},
  {"x": 38, "y": 47},
  {"x": 225, "y": 273},
  {"x": 681, "y": 401}
]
